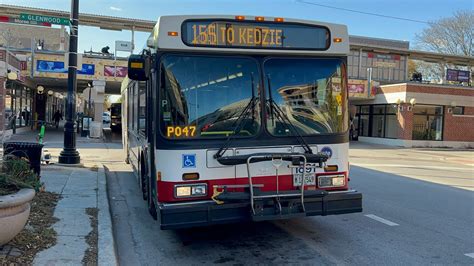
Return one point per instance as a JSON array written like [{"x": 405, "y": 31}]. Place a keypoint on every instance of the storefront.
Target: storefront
[
  {"x": 18, "y": 105},
  {"x": 414, "y": 114}
]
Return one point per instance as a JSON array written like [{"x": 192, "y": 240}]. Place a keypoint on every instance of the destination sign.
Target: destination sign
[{"x": 237, "y": 34}]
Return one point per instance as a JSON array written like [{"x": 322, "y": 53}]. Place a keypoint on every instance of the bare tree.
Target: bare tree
[{"x": 453, "y": 35}]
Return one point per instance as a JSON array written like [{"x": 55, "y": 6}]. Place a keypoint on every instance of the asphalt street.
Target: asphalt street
[{"x": 418, "y": 209}]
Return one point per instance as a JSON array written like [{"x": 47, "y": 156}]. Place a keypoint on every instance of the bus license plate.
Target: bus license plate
[
  {"x": 310, "y": 179},
  {"x": 309, "y": 176}
]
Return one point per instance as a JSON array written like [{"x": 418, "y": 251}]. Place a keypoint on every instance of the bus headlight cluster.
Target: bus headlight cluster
[
  {"x": 191, "y": 190},
  {"x": 326, "y": 181}
]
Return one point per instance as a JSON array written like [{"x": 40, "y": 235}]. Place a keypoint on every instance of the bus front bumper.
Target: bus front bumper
[{"x": 204, "y": 213}]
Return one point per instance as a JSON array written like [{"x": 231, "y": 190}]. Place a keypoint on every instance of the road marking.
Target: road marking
[
  {"x": 470, "y": 255},
  {"x": 380, "y": 219}
]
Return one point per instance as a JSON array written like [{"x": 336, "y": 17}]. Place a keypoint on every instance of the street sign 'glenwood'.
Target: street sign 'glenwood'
[{"x": 48, "y": 19}]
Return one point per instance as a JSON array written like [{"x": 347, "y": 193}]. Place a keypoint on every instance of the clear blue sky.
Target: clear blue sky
[{"x": 358, "y": 24}]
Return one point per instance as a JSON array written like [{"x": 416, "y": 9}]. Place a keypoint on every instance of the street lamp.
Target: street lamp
[
  {"x": 69, "y": 154},
  {"x": 40, "y": 89},
  {"x": 12, "y": 76}
]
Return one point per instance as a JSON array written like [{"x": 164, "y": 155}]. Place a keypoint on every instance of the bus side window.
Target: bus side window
[
  {"x": 142, "y": 107},
  {"x": 135, "y": 108},
  {"x": 130, "y": 107}
]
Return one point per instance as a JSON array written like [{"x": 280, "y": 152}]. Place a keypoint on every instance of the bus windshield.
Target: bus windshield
[
  {"x": 203, "y": 96},
  {"x": 311, "y": 94}
]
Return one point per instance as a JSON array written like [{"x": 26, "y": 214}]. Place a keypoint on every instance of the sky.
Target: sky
[{"x": 358, "y": 24}]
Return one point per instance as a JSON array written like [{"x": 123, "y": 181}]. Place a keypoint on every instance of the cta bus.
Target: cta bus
[{"x": 239, "y": 118}]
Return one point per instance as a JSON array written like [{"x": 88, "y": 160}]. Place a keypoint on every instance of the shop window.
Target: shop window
[
  {"x": 427, "y": 122},
  {"x": 365, "y": 109},
  {"x": 391, "y": 126},
  {"x": 363, "y": 125},
  {"x": 391, "y": 109},
  {"x": 378, "y": 126},
  {"x": 458, "y": 110},
  {"x": 379, "y": 109}
]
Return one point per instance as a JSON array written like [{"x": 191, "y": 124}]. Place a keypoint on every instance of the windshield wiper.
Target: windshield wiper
[
  {"x": 239, "y": 123},
  {"x": 274, "y": 108}
]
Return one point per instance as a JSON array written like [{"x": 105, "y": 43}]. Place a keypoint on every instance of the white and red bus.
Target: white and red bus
[{"x": 233, "y": 118}]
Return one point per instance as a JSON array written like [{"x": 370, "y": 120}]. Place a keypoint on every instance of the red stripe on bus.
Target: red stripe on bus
[{"x": 166, "y": 189}]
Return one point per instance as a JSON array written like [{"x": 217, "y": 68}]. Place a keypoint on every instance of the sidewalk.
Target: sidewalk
[
  {"x": 84, "y": 229},
  {"x": 83, "y": 193}
]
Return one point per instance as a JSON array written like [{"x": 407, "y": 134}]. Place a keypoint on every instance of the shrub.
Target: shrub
[{"x": 15, "y": 174}]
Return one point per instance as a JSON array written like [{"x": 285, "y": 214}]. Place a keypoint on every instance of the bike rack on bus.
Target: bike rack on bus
[{"x": 277, "y": 161}]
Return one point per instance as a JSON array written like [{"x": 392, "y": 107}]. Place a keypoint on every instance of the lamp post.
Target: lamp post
[{"x": 69, "y": 154}]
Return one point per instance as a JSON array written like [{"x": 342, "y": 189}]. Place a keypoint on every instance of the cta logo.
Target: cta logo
[{"x": 327, "y": 151}]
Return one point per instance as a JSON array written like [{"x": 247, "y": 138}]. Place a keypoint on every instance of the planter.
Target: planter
[{"x": 14, "y": 212}]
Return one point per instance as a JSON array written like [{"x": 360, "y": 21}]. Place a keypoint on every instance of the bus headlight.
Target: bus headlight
[
  {"x": 326, "y": 181},
  {"x": 191, "y": 190}
]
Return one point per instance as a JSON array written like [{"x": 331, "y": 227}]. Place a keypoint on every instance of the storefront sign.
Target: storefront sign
[
  {"x": 119, "y": 71},
  {"x": 384, "y": 64},
  {"x": 23, "y": 65},
  {"x": 358, "y": 89},
  {"x": 384, "y": 56},
  {"x": 59, "y": 67},
  {"x": 457, "y": 75}
]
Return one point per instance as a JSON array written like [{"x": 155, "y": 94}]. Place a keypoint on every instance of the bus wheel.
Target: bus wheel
[
  {"x": 151, "y": 202},
  {"x": 143, "y": 182}
]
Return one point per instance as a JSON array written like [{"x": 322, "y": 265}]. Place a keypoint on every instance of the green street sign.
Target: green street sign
[{"x": 47, "y": 19}]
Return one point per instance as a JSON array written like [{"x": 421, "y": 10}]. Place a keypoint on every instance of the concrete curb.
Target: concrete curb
[{"x": 106, "y": 244}]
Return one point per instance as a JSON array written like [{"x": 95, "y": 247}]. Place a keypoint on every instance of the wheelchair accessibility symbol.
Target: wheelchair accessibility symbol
[{"x": 189, "y": 160}]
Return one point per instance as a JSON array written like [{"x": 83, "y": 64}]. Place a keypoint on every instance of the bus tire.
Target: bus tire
[
  {"x": 143, "y": 181},
  {"x": 151, "y": 202}
]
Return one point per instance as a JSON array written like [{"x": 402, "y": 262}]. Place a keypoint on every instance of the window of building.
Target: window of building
[
  {"x": 458, "y": 110},
  {"x": 427, "y": 122},
  {"x": 377, "y": 121}
]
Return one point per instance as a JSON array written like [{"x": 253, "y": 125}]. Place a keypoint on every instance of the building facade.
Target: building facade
[
  {"x": 23, "y": 37},
  {"x": 417, "y": 115}
]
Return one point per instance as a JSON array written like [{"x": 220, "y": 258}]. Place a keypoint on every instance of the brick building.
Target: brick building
[{"x": 417, "y": 115}]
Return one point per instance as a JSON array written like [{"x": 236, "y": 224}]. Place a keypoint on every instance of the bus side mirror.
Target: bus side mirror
[{"x": 138, "y": 67}]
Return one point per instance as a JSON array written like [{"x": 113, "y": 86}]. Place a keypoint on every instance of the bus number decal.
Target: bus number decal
[{"x": 180, "y": 131}]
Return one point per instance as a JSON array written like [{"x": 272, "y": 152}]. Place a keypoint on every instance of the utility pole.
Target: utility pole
[{"x": 69, "y": 154}]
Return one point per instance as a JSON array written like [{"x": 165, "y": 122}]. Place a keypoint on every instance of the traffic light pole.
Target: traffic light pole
[{"x": 69, "y": 154}]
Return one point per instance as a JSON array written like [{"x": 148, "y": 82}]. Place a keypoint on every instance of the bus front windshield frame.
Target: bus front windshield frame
[{"x": 204, "y": 96}]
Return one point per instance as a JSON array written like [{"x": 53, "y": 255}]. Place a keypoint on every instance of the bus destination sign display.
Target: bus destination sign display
[{"x": 244, "y": 34}]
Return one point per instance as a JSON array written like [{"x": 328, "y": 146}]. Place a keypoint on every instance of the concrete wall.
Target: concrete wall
[{"x": 21, "y": 36}]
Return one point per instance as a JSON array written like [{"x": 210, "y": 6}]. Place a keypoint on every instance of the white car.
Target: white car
[{"x": 106, "y": 118}]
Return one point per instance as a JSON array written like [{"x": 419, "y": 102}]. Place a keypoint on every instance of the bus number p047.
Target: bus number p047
[{"x": 178, "y": 131}]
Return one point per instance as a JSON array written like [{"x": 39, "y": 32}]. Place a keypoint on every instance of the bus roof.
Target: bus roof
[{"x": 167, "y": 35}]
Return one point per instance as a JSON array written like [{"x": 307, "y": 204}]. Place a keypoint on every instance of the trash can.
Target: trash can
[{"x": 30, "y": 150}]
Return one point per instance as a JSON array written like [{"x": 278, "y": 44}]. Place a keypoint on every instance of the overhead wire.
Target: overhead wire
[{"x": 364, "y": 12}]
